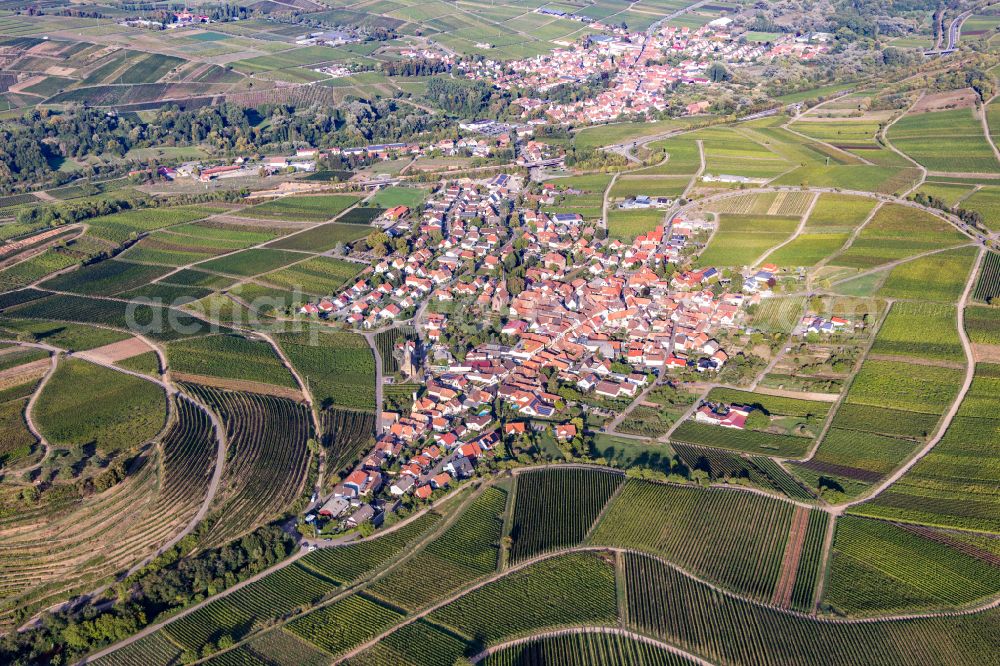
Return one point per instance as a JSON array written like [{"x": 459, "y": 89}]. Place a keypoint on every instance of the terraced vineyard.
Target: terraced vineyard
[
  {"x": 197, "y": 466},
  {"x": 266, "y": 457},
  {"x": 126, "y": 522}
]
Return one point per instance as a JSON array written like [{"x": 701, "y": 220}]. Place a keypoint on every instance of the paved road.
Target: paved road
[{"x": 954, "y": 32}]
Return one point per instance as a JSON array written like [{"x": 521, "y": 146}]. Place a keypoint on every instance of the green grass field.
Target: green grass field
[
  {"x": 742, "y": 239},
  {"x": 938, "y": 277},
  {"x": 230, "y": 357},
  {"x": 920, "y": 330},
  {"x": 627, "y": 224},
  {"x": 85, "y": 403},
  {"x": 897, "y": 232},
  {"x": 945, "y": 141},
  {"x": 399, "y": 196},
  {"x": 313, "y": 208}
]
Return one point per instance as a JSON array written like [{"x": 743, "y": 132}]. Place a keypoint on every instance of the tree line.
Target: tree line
[{"x": 180, "y": 577}]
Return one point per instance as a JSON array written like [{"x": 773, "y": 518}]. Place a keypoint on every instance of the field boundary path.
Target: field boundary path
[
  {"x": 845, "y": 389},
  {"x": 501, "y": 573},
  {"x": 971, "y": 233},
  {"x": 798, "y": 231},
  {"x": 850, "y": 239},
  {"x": 851, "y": 156},
  {"x": 30, "y": 408},
  {"x": 345, "y": 657},
  {"x": 986, "y": 127},
  {"x": 583, "y": 629},
  {"x": 307, "y": 396},
  {"x": 790, "y": 560},
  {"x": 888, "y": 144},
  {"x": 688, "y": 413},
  {"x": 607, "y": 195}
]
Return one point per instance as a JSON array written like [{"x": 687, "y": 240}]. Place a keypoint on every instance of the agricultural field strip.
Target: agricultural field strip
[
  {"x": 850, "y": 156},
  {"x": 844, "y": 391},
  {"x": 885, "y": 140},
  {"x": 882, "y": 198},
  {"x": 898, "y": 262},
  {"x": 854, "y": 235},
  {"x": 345, "y": 591},
  {"x": 30, "y": 406},
  {"x": 395, "y": 562},
  {"x": 259, "y": 246},
  {"x": 213, "y": 484},
  {"x": 952, "y": 410},
  {"x": 168, "y": 386},
  {"x": 798, "y": 231}
]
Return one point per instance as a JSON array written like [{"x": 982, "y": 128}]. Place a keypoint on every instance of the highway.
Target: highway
[{"x": 954, "y": 32}]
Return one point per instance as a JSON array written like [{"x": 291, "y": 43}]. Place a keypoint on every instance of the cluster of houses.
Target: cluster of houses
[
  {"x": 537, "y": 153},
  {"x": 171, "y": 20},
  {"x": 817, "y": 324},
  {"x": 599, "y": 318},
  {"x": 643, "y": 68},
  {"x": 428, "y": 270},
  {"x": 642, "y": 201},
  {"x": 725, "y": 416}
]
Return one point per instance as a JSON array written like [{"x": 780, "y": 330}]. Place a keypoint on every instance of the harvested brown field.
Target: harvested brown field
[
  {"x": 953, "y": 99},
  {"x": 117, "y": 351},
  {"x": 239, "y": 385},
  {"x": 23, "y": 374}
]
